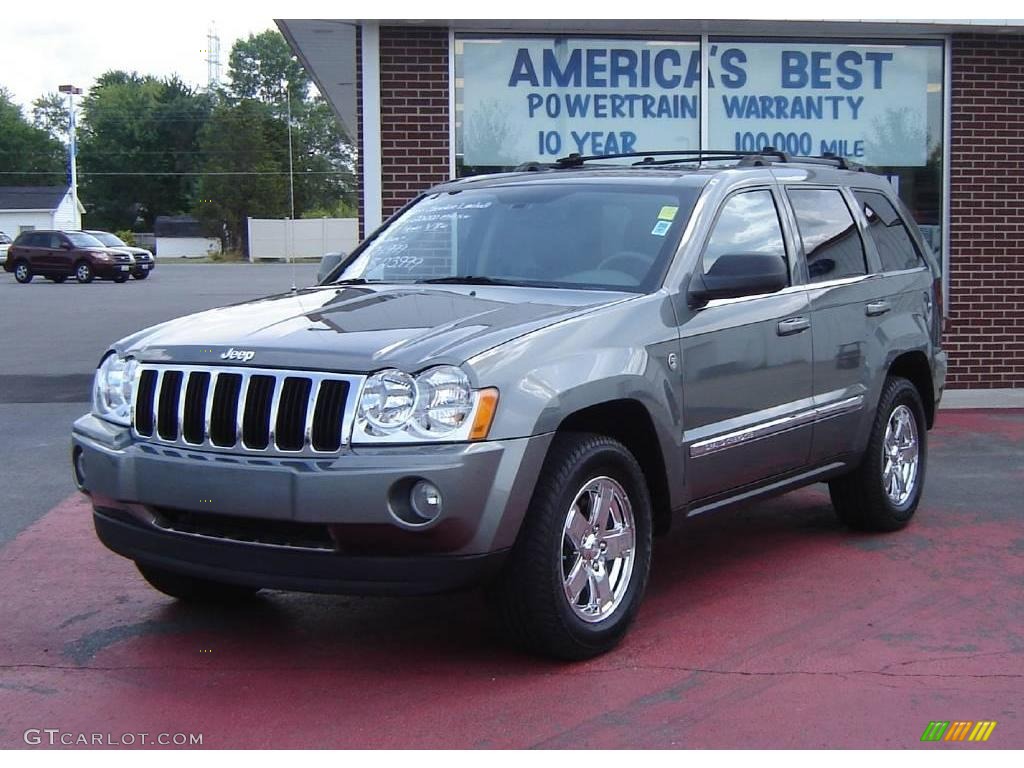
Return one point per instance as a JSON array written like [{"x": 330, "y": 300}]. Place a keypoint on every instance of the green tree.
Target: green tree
[
  {"x": 29, "y": 156},
  {"x": 244, "y": 168},
  {"x": 50, "y": 112},
  {"x": 263, "y": 67},
  {"x": 139, "y": 148}
]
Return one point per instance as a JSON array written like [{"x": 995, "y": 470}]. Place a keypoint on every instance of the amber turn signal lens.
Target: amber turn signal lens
[{"x": 487, "y": 404}]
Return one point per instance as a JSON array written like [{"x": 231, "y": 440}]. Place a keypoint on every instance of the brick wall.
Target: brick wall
[
  {"x": 414, "y": 112},
  {"x": 985, "y": 333}
]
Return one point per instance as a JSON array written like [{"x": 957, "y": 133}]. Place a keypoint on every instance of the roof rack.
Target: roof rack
[{"x": 765, "y": 156}]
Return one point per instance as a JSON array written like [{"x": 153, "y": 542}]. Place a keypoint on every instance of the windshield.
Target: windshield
[
  {"x": 559, "y": 235},
  {"x": 108, "y": 239},
  {"x": 82, "y": 240}
]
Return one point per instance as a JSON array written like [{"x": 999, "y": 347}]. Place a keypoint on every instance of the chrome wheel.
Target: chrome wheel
[
  {"x": 598, "y": 549},
  {"x": 83, "y": 274},
  {"x": 21, "y": 273},
  {"x": 901, "y": 455}
]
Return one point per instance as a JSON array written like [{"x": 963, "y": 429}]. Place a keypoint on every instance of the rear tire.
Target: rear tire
[
  {"x": 83, "y": 272},
  {"x": 23, "y": 272},
  {"x": 883, "y": 492},
  {"x": 575, "y": 577},
  {"x": 193, "y": 589}
]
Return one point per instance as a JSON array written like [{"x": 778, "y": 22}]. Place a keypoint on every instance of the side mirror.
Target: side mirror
[
  {"x": 328, "y": 263},
  {"x": 65, "y": 246},
  {"x": 739, "y": 274}
]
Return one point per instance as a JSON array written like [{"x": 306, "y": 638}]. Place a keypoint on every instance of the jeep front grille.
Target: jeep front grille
[{"x": 248, "y": 410}]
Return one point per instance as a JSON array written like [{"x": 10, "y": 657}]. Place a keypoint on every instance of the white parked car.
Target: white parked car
[{"x": 5, "y": 243}]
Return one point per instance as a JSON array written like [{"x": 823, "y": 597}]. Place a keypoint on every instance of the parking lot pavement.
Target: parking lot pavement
[
  {"x": 764, "y": 626},
  {"x": 53, "y": 337}
]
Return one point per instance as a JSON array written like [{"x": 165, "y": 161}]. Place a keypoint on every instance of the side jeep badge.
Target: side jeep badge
[{"x": 244, "y": 355}]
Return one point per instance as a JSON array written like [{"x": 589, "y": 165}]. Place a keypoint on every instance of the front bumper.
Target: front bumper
[
  {"x": 182, "y": 509},
  {"x": 275, "y": 567},
  {"x": 108, "y": 270}
]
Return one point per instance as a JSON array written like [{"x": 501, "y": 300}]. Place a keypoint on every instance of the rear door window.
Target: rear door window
[
  {"x": 888, "y": 232},
  {"x": 831, "y": 240}
]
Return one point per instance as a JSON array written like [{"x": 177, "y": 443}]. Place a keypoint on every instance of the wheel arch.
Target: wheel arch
[
  {"x": 629, "y": 421},
  {"x": 914, "y": 367}
]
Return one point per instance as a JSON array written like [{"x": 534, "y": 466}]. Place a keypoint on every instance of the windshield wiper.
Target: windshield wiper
[{"x": 467, "y": 280}]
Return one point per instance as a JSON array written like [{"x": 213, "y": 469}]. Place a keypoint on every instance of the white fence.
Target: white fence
[{"x": 300, "y": 238}]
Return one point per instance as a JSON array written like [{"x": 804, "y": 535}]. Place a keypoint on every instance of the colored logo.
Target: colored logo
[{"x": 958, "y": 730}]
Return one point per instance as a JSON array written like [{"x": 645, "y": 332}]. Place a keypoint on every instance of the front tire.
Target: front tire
[
  {"x": 23, "y": 272},
  {"x": 83, "y": 272},
  {"x": 192, "y": 589},
  {"x": 140, "y": 275},
  {"x": 120, "y": 278},
  {"x": 882, "y": 494},
  {"x": 574, "y": 579}
]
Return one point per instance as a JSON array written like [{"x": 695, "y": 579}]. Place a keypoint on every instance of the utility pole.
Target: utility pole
[
  {"x": 291, "y": 186},
  {"x": 212, "y": 58},
  {"x": 72, "y": 91}
]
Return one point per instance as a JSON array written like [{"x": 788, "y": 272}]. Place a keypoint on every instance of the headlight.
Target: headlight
[
  {"x": 445, "y": 400},
  {"x": 388, "y": 401},
  {"x": 438, "y": 404},
  {"x": 113, "y": 389}
]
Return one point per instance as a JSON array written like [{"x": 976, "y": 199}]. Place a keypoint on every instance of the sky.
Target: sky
[{"x": 79, "y": 42}]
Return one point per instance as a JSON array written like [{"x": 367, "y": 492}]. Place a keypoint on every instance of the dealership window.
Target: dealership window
[
  {"x": 878, "y": 102},
  {"x": 535, "y": 99}
]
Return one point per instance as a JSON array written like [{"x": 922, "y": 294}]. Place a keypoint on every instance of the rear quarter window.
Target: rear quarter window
[{"x": 888, "y": 232}]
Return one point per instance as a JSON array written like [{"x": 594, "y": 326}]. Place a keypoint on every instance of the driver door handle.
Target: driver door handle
[
  {"x": 877, "y": 308},
  {"x": 793, "y": 325}
]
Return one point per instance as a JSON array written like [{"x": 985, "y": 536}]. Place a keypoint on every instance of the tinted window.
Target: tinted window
[
  {"x": 108, "y": 239},
  {"x": 565, "y": 235},
  {"x": 54, "y": 240},
  {"x": 747, "y": 223},
  {"x": 82, "y": 240},
  {"x": 888, "y": 232},
  {"x": 831, "y": 242}
]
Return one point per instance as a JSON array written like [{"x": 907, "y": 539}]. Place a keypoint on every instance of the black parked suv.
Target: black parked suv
[{"x": 58, "y": 255}]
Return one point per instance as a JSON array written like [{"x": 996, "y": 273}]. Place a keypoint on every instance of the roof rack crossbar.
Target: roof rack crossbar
[{"x": 763, "y": 156}]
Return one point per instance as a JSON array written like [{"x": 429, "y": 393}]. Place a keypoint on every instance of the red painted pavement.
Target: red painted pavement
[{"x": 766, "y": 626}]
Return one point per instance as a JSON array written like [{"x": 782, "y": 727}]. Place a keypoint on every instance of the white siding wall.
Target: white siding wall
[
  {"x": 301, "y": 238},
  {"x": 12, "y": 222},
  {"x": 66, "y": 217},
  {"x": 188, "y": 247}
]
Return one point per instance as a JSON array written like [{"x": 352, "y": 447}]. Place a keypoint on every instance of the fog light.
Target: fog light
[
  {"x": 78, "y": 465},
  {"x": 425, "y": 500}
]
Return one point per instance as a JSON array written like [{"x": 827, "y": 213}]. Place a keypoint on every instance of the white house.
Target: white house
[{"x": 23, "y": 208}]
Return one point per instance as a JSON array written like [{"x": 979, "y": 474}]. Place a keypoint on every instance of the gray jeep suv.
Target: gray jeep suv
[{"x": 520, "y": 378}]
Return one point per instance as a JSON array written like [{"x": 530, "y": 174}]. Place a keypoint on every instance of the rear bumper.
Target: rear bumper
[{"x": 276, "y": 567}]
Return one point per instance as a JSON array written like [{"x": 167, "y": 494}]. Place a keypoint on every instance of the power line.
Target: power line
[{"x": 176, "y": 173}]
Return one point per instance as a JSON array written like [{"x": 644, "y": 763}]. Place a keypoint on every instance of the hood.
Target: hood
[{"x": 363, "y": 328}]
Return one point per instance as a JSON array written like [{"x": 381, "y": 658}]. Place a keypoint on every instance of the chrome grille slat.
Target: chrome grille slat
[
  {"x": 243, "y": 396},
  {"x": 314, "y": 396},
  {"x": 208, "y": 414},
  {"x": 289, "y": 423}
]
